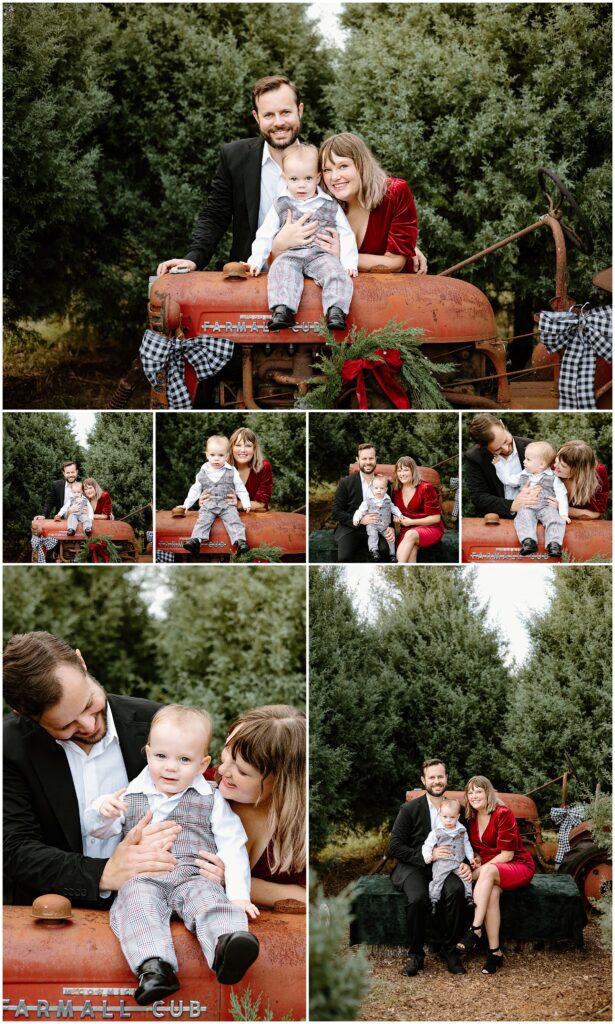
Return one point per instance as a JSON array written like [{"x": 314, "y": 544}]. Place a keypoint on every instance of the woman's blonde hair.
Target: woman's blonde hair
[
  {"x": 481, "y": 782},
  {"x": 271, "y": 739},
  {"x": 410, "y": 464},
  {"x": 91, "y": 482},
  {"x": 373, "y": 180},
  {"x": 584, "y": 482},
  {"x": 245, "y": 434}
]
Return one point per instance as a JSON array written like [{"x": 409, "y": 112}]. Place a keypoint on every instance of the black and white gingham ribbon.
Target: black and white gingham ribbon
[
  {"x": 454, "y": 482},
  {"x": 206, "y": 355},
  {"x": 41, "y": 545},
  {"x": 566, "y": 818},
  {"x": 583, "y": 336},
  {"x": 165, "y": 556}
]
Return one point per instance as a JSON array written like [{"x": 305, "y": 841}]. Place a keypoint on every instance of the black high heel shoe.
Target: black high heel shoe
[
  {"x": 493, "y": 962},
  {"x": 471, "y": 938}
]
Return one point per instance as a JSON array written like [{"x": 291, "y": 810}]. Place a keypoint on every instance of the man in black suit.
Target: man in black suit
[
  {"x": 59, "y": 493},
  {"x": 351, "y": 491},
  {"x": 247, "y": 180},
  {"x": 66, "y": 743},
  {"x": 412, "y": 875},
  {"x": 487, "y": 492}
]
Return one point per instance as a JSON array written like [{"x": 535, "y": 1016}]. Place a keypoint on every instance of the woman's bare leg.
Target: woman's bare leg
[
  {"x": 492, "y": 917},
  {"x": 488, "y": 878},
  {"x": 408, "y": 548}
]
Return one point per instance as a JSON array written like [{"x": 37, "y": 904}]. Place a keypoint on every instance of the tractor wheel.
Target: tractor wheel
[
  {"x": 580, "y": 862},
  {"x": 580, "y": 238}
]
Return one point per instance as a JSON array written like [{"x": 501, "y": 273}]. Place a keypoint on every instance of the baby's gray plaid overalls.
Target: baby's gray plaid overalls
[
  {"x": 285, "y": 277},
  {"x": 374, "y": 529},
  {"x": 81, "y": 516},
  {"x": 217, "y": 506},
  {"x": 441, "y": 869},
  {"x": 527, "y": 519},
  {"x": 141, "y": 913}
]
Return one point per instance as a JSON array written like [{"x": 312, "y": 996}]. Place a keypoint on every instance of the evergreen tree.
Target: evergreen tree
[
  {"x": 561, "y": 705},
  {"x": 180, "y": 451},
  {"x": 119, "y": 457},
  {"x": 337, "y": 983},
  {"x": 101, "y": 612},
  {"x": 232, "y": 640},
  {"x": 471, "y": 100},
  {"x": 35, "y": 445}
]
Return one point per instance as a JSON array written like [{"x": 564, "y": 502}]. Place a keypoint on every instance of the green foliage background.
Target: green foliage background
[
  {"x": 114, "y": 117},
  {"x": 224, "y": 642},
  {"x": 180, "y": 447},
  {"x": 119, "y": 456},
  {"x": 430, "y": 438},
  {"x": 426, "y": 676},
  {"x": 595, "y": 428}
]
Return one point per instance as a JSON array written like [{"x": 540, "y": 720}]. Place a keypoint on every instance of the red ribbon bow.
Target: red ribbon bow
[
  {"x": 98, "y": 551},
  {"x": 384, "y": 372}
]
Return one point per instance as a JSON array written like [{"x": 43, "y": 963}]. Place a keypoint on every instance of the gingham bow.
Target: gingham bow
[
  {"x": 206, "y": 355},
  {"x": 165, "y": 556},
  {"x": 566, "y": 818},
  {"x": 583, "y": 336},
  {"x": 41, "y": 545}
]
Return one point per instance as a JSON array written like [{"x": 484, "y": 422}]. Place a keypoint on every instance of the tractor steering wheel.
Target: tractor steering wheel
[{"x": 583, "y": 238}]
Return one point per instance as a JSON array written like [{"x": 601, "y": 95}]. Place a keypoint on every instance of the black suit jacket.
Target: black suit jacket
[
  {"x": 234, "y": 196},
  {"x": 348, "y": 497},
  {"x": 411, "y": 828},
  {"x": 43, "y": 851},
  {"x": 480, "y": 477},
  {"x": 55, "y": 498}
]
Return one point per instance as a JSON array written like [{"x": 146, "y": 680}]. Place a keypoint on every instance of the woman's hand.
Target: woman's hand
[
  {"x": 203, "y": 498},
  {"x": 210, "y": 866},
  {"x": 329, "y": 242},
  {"x": 302, "y": 232},
  {"x": 419, "y": 261},
  {"x": 232, "y": 499}
]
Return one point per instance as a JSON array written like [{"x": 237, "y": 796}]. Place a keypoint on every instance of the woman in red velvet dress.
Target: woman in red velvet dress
[
  {"x": 380, "y": 209},
  {"x": 255, "y": 471},
  {"x": 262, "y": 775},
  {"x": 505, "y": 864},
  {"x": 417, "y": 500},
  {"x": 585, "y": 479},
  {"x": 99, "y": 500}
]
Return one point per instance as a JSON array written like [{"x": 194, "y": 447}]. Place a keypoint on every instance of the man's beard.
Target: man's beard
[
  {"x": 91, "y": 741},
  {"x": 281, "y": 145}
]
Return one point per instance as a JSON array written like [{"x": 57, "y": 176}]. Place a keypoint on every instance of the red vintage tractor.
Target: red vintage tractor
[
  {"x": 491, "y": 540},
  {"x": 272, "y": 370},
  {"x": 121, "y": 535},
  {"x": 284, "y": 531}
]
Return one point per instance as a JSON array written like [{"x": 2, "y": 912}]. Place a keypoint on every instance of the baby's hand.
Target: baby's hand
[
  {"x": 112, "y": 806},
  {"x": 254, "y": 271},
  {"x": 57, "y": 517},
  {"x": 352, "y": 271},
  {"x": 496, "y": 458},
  {"x": 249, "y": 908},
  {"x": 248, "y": 509},
  {"x": 475, "y": 862},
  {"x": 567, "y": 519}
]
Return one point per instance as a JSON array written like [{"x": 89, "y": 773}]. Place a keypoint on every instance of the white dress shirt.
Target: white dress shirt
[
  {"x": 431, "y": 842},
  {"x": 226, "y": 826},
  {"x": 505, "y": 468},
  {"x": 261, "y": 246},
  {"x": 272, "y": 183},
  {"x": 94, "y": 774},
  {"x": 214, "y": 475}
]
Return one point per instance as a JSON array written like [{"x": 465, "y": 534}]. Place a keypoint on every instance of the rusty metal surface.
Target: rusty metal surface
[
  {"x": 68, "y": 962},
  {"x": 284, "y": 530},
  {"x": 446, "y": 309},
  {"x": 481, "y": 543},
  {"x": 118, "y": 531}
]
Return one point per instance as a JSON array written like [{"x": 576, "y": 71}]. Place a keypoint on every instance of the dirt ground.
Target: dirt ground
[
  {"x": 89, "y": 382},
  {"x": 571, "y": 984},
  {"x": 534, "y": 984}
]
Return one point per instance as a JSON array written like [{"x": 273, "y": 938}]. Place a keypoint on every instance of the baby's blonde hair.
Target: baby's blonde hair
[
  {"x": 544, "y": 451},
  {"x": 303, "y": 150},
  {"x": 452, "y": 802},
  {"x": 182, "y": 715},
  {"x": 218, "y": 437}
]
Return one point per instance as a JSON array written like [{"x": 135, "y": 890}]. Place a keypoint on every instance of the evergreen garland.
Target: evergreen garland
[
  {"x": 112, "y": 548},
  {"x": 263, "y": 553},
  {"x": 417, "y": 371}
]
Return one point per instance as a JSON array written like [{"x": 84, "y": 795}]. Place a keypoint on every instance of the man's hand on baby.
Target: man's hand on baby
[
  {"x": 133, "y": 856},
  {"x": 441, "y": 853},
  {"x": 210, "y": 866},
  {"x": 370, "y": 519},
  {"x": 112, "y": 806},
  {"x": 250, "y": 909},
  {"x": 301, "y": 232},
  {"x": 160, "y": 835}
]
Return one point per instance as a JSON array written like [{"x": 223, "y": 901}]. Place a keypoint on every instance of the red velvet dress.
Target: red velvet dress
[
  {"x": 599, "y": 501},
  {"x": 424, "y": 502},
  {"x": 260, "y": 485},
  {"x": 500, "y": 834},
  {"x": 393, "y": 226},
  {"x": 104, "y": 507},
  {"x": 262, "y": 870}
]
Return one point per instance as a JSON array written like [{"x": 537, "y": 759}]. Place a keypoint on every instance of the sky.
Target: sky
[
  {"x": 507, "y": 592},
  {"x": 326, "y": 16},
  {"x": 82, "y": 424}
]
